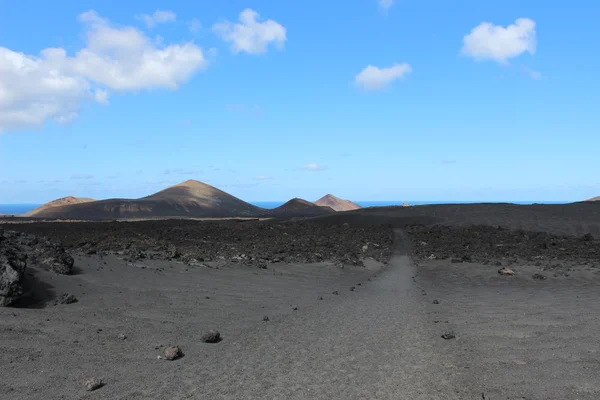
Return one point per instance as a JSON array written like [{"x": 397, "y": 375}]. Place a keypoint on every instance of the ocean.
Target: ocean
[
  {"x": 23, "y": 208},
  {"x": 364, "y": 204}
]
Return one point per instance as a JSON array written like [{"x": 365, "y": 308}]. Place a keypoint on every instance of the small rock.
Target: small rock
[
  {"x": 436, "y": 301},
  {"x": 352, "y": 288},
  {"x": 335, "y": 293},
  {"x": 122, "y": 336},
  {"x": 295, "y": 308},
  {"x": 265, "y": 318},
  {"x": 93, "y": 384},
  {"x": 320, "y": 297},
  {"x": 211, "y": 337},
  {"x": 539, "y": 277},
  {"x": 67, "y": 298},
  {"x": 448, "y": 335},
  {"x": 172, "y": 353},
  {"x": 506, "y": 271}
]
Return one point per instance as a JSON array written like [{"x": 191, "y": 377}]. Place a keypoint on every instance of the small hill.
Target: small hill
[
  {"x": 63, "y": 201},
  {"x": 187, "y": 199},
  {"x": 597, "y": 198},
  {"x": 300, "y": 208},
  {"x": 336, "y": 203}
]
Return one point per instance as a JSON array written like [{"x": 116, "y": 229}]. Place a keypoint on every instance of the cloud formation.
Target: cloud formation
[
  {"x": 374, "y": 78},
  {"x": 53, "y": 85},
  {"x": 249, "y": 35},
  {"x": 386, "y": 4},
  {"x": 492, "y": 42},
  {"x": 159, "y": 17},
  {"x": 314, "y": 167}
]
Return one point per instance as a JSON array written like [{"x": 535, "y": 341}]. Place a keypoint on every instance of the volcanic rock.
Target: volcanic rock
[
  {"x": 211, "y": 337},
  {"x": 93, "y": 384},
  {"x": 172, "y": 353},
  {"x": 13, "y": 262}
]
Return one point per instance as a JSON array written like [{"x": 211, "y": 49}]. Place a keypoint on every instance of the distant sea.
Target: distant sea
[
  {"x": 23, "y": 208},
  {"x": 364, "y": 204}
]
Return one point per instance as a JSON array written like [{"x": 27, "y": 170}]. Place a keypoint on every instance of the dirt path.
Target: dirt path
[{"x": 372, "y": 343}]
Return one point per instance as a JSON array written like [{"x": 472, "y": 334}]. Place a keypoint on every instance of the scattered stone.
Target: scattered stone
[
  {"x": 211, "y": 337},
  {"x": 66, "y": 298},
  {"x": 295, "y": 308},
  {"x": 93, "y": 384},
  {"x": 122, "y": 336},
  {"x": 539, "y": 277},
  {"x": 335, "y": 293},
  {"x": 506, "y": 271},
  {"x": 172, "y": 353},
  {"x": 320, "y": 297},
  {"x": 207, "y": 297},
  {"x": 436, "y": 301},
  {"x": 448, "y": 335},
  {"x": 352, "y": 288},
  {"x": 265, "y": 318}
]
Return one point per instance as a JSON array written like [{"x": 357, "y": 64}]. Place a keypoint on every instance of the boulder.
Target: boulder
[
  {"x": 13, "y": 262},
  {"x": 53, "y": 257}
]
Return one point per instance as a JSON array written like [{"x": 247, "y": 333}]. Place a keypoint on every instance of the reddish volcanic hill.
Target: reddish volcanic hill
[
  {"x": 597, "y": 198},
  {"x": 300, "y": 208},
  {"x": 187, "y": 199},
  {"x": 336, "y": 203},
  {"x": 63, "y": 201}
]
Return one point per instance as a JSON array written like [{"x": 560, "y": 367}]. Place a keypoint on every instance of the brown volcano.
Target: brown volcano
[
  {"x": 597, "y": 198},
  {"x": 300, "y": 208},
  {"x": 63, "y": 201},
  {"x": 336, "y": 203},
  {"x": 187, "y": 199}
]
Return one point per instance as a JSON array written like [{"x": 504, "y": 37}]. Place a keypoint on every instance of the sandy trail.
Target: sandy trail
[{"x": 373, "y": 343}]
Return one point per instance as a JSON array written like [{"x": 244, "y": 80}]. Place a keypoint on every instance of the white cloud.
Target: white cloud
[
  {"x": 126, "y": 59},
  {"x": 34, "y": 89},
  {"x": 52, "y": 85},
  {"x": 159, "y": 17},
  {"x": 249, "y": 35},
  {"x": 491, "y": 42},
  {"x": 195, "y": 25},
  {"x": 385, "y": 4},
  {"x": 374, "y": 78},
  {"x": 314, "y": 167}
]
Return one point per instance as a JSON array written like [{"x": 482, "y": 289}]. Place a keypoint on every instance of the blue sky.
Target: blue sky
[{"x": 268, "y": 100}]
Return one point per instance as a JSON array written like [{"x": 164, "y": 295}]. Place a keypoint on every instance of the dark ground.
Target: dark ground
[{"x": 357, "y": 332}]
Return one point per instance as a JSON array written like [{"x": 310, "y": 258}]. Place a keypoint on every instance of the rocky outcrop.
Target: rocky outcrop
[
  {"x": 13, "y": 262},
  {"x": 52, "y": 256}
]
